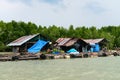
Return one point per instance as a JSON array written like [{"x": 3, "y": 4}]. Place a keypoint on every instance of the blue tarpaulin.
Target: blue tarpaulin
[
  {"x": 37, "y": 46},
  {"x": 96, "y": 48},
  {"x": 72, "y": 51}
]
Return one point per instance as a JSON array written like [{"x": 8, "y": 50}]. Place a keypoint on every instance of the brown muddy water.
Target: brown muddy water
[{"x": 102, "y": 68}]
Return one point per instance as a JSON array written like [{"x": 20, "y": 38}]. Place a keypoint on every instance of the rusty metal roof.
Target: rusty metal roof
[
  {"x": 59, "y": 40},
  {"x": 22, "y": 40},
  {"x": 66, "y": 41},
  {"x": 71, "y": 42},
  {"x": 90, "y": 41},
  {"x": 62, "y": 41}
]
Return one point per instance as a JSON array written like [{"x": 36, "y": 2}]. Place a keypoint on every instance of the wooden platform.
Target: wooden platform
[{"x": 5, "y": 59}]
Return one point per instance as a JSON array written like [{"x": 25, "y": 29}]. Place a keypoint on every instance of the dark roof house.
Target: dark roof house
[
  {"x": 23, "y": 43},
  {"x": 79, "y": 44},
  {"x": 68, "y": 43}
]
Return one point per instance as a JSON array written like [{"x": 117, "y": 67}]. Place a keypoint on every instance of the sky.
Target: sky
[{"x": 62, "y": 12}]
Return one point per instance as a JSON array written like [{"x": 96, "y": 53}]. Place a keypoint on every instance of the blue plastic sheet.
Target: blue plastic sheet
[
  {"x": 37, "y": 46},
  {"x": 96, "y": 48},
  {"x": 72, "y": 51}
]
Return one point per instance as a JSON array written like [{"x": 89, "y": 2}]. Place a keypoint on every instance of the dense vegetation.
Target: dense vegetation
[{"x": 10, "y": 31}]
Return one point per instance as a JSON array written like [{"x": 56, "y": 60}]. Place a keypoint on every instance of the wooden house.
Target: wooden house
[
  {"x": 96, "y": 43},
  {"x": 68, "y": 43},
  {"x": 23, "y": 43},
  {"x": 81, "y": 45}
]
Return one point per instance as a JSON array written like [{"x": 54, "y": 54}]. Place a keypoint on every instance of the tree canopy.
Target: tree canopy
[{"x": 10, "y": 31}]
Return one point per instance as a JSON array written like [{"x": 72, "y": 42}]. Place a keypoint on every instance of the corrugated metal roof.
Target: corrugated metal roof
[
  {"x": 59, "y": 40},
  {"x": 66, "y": 41},
  {"x": 21, "y": 40},
  {"x": 71, "y": 42},
  {"x": 93, "y": 40},
  {"x": 62, "y": 41}
]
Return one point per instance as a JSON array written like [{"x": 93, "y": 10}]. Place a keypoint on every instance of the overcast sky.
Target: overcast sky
[{"x": 62, "y": 12}]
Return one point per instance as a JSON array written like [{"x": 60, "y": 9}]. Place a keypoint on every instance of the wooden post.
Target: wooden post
[{"x": 26, "y": 47}]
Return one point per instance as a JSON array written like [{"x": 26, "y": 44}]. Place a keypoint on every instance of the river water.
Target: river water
[{"x": 102, "y": 68}]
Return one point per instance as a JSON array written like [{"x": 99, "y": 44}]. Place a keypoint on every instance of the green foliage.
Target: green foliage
[{"x": 12, "y": 30}]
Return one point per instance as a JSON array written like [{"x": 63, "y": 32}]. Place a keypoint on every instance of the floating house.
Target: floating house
[
  {"x": 96, "y": 44},
  {"x": 69, "y": 43},
  {"x": 29, "y": 43},
  {"x": 81, "y": 45}
]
